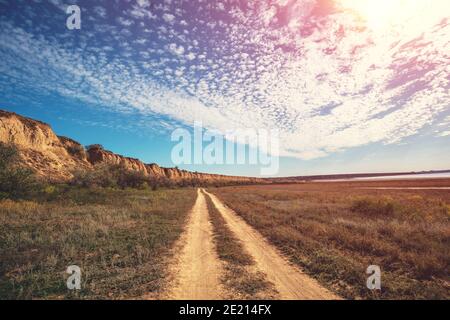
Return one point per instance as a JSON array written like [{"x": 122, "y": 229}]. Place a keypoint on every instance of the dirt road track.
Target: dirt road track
[
  {"x": 198, "y": 269},
  {"x": 289, "y": 281}
]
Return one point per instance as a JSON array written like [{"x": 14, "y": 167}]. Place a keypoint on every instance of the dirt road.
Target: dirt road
[
  {"x": 289, "y": 281},
  {"x": 198, "y": 269}
]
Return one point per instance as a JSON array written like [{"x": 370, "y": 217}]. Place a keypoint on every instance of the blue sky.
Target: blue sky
[{"x": 352, "y": 86}]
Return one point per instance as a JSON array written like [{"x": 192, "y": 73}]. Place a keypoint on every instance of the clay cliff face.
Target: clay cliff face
[
  {"x": 97, "y": 155},
  {"x": 40, "y": 148},
  {"x": 56, "y": 158}
]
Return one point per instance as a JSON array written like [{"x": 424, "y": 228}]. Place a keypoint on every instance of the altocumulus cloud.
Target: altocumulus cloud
[{"x": 321, "y": 72}]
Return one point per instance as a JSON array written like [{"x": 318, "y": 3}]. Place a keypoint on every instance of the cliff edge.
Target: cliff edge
[{"x": 55, "y": 158}]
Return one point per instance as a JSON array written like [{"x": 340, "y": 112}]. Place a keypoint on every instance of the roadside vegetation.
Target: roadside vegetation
[
  {"x": 239, "y": 277},
  {"x": 334, "y": 231},
  {"x": 118, "y": 177},
  {"x": 115, "y": 224},
  {"x": 119, "y": 226},
  {"x": 15, "y": 181},
  {"x": 119, "y": 236}
]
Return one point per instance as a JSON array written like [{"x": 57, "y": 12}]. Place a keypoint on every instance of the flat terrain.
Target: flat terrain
[
  {"x": 288, "y": 280},
  {"x": 131, "y": 244},
  {"x": 293, "y": 241},
  {"x": 335, "y": 230},
  {"x": 119, "y": 239}
]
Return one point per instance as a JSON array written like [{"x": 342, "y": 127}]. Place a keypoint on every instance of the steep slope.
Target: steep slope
[
  {"x": 56, "y": 158},
  {"x": 40, "y": 148}
]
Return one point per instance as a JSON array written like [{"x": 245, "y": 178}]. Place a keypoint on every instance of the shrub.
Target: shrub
[
  {"x": 77, "y": 151},
  {"x": 49, "y": 190},
  {"x": 15, "y": 181},
  {"x": 111, "y": 176},
  {"x": 100, "y": 176},
  {"x": 94, "y": 146},
  {"x": 369, "y": 207},
  {"x": 129, "y": 179}
]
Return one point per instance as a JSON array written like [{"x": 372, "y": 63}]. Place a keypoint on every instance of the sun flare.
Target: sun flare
[{"x": 387, "y": 14}]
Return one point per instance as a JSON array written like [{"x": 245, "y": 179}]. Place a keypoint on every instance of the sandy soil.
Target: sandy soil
[
  {"x": 197, "y": 270},
  {"x": 289, "y": 281}
]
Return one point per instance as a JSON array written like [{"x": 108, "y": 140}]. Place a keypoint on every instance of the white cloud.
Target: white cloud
[
  {"x": 125, "y": 22},
  {"x": 190, "y": 56},
  {"x": 100, "y": 11},
  {"x": 169, "y": 18},
  {"x": 175, "y": 49},
  {"x": 327, "y": 83},
  {"x": 143, "y": 3}
]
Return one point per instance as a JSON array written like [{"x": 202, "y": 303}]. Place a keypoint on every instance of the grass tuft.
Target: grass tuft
[{"x": 374, "y": 208}]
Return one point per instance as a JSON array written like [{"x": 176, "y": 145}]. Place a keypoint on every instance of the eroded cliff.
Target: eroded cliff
[{"x": 55, "y": 157}]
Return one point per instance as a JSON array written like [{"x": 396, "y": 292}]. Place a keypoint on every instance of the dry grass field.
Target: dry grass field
[
  {"x": 122, "y": 239},
  {"x": 335, "y": 230},
  {"x": 119, "y": 239}
]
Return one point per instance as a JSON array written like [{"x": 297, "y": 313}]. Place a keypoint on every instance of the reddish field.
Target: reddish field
[{"x": 335, "y": 230}]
